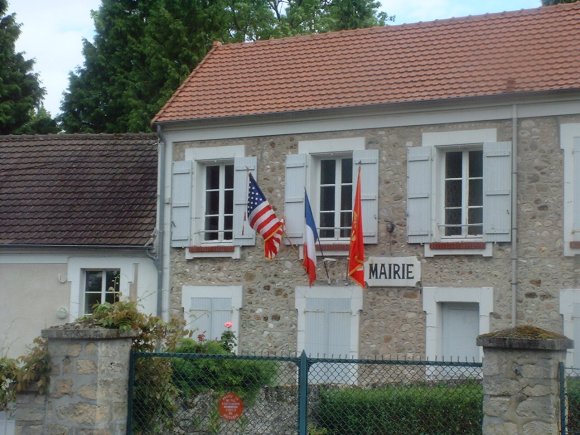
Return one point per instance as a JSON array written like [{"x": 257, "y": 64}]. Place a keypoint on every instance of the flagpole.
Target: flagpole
[{"x": 324, "y": 261}]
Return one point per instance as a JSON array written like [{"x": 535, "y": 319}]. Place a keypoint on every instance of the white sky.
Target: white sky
[{"x": 52, "y": 30}]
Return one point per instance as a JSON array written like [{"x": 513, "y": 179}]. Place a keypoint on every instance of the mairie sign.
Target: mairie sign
[{"x": 392, "y": 271}]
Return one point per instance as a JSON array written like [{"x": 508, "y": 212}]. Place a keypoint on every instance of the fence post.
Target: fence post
[
  {"x": 303, "y": 367},
  {"x": 563, "y": 405},
  {"x": 521, "y": 374}
]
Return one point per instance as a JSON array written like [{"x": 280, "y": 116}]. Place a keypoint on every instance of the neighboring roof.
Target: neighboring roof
[
  {"x": 521, "y": 52},
  {"x": 78, "y": 189}
]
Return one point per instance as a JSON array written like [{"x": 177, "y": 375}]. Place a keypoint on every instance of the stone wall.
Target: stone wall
[
  {"x": 88, "y": 385},
  {"x": 392, "y": 320},
  {"x": 521, "y": 381}
]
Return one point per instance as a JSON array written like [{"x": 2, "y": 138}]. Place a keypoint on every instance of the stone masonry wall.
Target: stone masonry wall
[
  {"x": 89, "y": 379},
  {"x": 392, "y": 320}
]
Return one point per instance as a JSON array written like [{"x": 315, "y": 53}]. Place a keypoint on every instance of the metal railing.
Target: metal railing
[{"x": 200, "y": 393}]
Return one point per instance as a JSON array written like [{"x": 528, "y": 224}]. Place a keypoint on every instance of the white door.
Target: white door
[{"x": 460, "y": 328}]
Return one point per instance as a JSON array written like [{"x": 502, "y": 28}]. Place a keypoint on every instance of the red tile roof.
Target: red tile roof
[
  {"x": 526, "y": 51},
  {"x": 78, "y": 189}
]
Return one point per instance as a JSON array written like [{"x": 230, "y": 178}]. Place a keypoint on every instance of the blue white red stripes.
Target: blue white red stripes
[
  {"x": 310, "y": 237},
  {"x": 263, "y": 219}
]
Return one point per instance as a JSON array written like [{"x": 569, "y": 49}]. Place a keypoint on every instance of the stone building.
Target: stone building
[{"x": 467, "y": 133}]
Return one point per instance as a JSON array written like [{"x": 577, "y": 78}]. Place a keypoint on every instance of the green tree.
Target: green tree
[
  {"x": 555, "y": 2},
  {"x": 40, "y": 123},
  {"x": 20, "y": 90},
  {"x": 143, "y": 50}
]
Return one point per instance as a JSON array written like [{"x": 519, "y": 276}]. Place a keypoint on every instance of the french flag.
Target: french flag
[{"x": 310, "y": 237}]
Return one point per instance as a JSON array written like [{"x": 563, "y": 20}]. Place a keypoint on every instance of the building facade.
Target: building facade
[{"x": 468, "y": 153}]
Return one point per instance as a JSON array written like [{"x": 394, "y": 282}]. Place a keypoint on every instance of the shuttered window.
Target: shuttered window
[
  {"x": 330, "y": 182},
  {"x": 207, "y": 316},
  {"x": 208, "y": 202},
  {"x": 459, "y": 193}
]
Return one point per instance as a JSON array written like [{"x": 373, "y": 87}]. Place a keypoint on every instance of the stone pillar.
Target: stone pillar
[
  {"x": 89, "y": 379},
  {"x": 521, "y": 381}
]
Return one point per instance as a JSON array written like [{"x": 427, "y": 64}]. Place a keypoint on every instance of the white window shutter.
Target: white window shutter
[
  {"x": 181, "y": 185},
  {"x": 369, "y": 163},
  {"x": 220, "y": 314},
  {"x": 244, "y": 235},
  {"x": 576, "y": 190},
  {"x": 200, "y": 316},
  {"x": 419, "y": 194},
  {"x": 497, "y": 191},
  {"x": 294, "y": 197}
]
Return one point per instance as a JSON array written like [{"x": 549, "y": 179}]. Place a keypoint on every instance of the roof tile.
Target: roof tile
[
  {"x": 526, "y": 51},
  {"x": 80, "y": 189}
]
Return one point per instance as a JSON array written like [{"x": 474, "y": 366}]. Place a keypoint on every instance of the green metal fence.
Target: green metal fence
[
  {"x": 222, "y": 394},
  {"x": 570, "y": 398}
]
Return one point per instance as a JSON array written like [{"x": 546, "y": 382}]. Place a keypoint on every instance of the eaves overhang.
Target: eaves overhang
[{"x": 385, "y": 108}]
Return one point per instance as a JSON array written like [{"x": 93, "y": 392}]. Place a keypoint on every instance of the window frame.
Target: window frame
[
  {"x": 188, "y": 202},
  {"x": 222, "y": 189},
  {"x": 103, "y": 292},
  {"x": 235, "y": 293},
  {"x": 434, "y": 297},
  {"x": 302, "y": 172},
  {"x": 434, "y": 145},
  {"x": 353, "y": 293},
  {"x": 440, "y": 195}
]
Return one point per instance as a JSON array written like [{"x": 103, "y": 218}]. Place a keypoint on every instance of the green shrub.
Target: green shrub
[
  {"x": 573, "y": 393},
  {"x": 219, "y": 375},
  {"x": 8, "y": 375},
  {"x": 419, "y": 409}
]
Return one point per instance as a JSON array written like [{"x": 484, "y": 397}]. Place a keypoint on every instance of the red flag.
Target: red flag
[
  {"x": 263, "y": 219},
  {"x": 356, "y": 257}
]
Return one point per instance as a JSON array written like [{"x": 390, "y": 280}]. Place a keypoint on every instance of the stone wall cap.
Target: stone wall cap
[
  {"x": 525, "y": 337},
  {"x": 77, "y": 331}
]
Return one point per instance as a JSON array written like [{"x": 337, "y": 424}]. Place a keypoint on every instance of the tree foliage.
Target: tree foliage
[
  {"x": 144, "y": 49},
  {"x": 555, "y": 2},
  {"x": 20, "y": 91}
]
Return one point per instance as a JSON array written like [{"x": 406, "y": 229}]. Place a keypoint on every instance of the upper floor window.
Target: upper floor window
[
  {"x": 326, "y": 169},
  {"x": 208, "y": 201},
  {"x": 459, "y": 192},
  {"x": 101, "y": 286},
  {"x": 219, "y": 202},
  {"x": 463, "y": 203},
  {"x": 335, "y": 194}
]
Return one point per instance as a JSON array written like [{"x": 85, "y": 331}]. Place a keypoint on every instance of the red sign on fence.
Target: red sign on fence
[{"x": 231, "y": 407}]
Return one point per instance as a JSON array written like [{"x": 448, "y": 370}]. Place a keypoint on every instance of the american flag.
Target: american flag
[{"x": 263, "y": 219}]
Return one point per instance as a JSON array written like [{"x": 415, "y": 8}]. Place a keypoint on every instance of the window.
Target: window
[
  {"x": 459, "y": 192},
  {"x": 570, "y": 143},
  {"x": 326, "y": 170},
  {"x": 454, "y": 319},
  {"x": 101, "y": 286},
  {"x": 219, "y": 202},
  {"x": 463, "y": 203},
  {"x": 335, "y": 197},
  {"x": 328, "y": 326},
  {"x": 208, "y": 202},
  {"x": 208, "y": 308}
]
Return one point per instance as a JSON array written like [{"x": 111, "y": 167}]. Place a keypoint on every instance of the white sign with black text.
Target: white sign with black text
[{"x": 392, "y": 271}]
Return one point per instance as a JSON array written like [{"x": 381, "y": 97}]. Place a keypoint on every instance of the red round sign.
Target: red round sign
[{"x": 231, "y": 407}]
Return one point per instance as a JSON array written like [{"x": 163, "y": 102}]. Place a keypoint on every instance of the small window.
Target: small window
[
  {"x": 463, "y": 187},
  {"x": 219, "y": 203},
  {"x": 335, "y": 197},
  {"x": 101, "y": 286}
]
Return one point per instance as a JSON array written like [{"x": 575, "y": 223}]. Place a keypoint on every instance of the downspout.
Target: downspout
[
  {"x": 514, "y": 235},
  {"x": 160, "y": 223}
]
